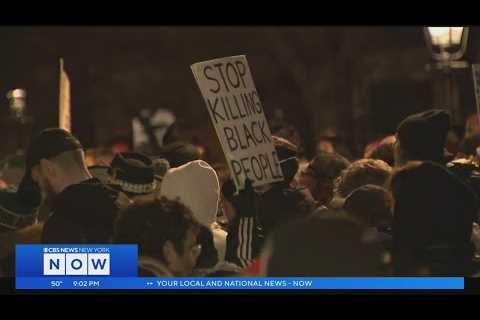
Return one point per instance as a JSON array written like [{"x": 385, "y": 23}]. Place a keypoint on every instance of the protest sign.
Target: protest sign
[
  {"x": 237, "y": 115},
  {"x": 64, "y": 100}
]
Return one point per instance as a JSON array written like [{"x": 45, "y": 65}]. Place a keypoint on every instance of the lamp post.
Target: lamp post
[
  {"x": 447, "y": 46},
  {"x": 17, "y": 103}
]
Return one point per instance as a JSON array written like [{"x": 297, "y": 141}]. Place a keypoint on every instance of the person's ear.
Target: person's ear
[{"x": 169, "y": 253}]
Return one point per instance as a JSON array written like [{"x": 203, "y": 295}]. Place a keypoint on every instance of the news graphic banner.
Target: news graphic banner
[
  {"x": 114, "y": 267},
  {"x": 62, "y": 265},
  {"x": 237, "y": 115}
]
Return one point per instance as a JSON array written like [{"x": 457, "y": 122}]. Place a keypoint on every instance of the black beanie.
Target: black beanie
[
  {"x": 48, "y": 143},
  {"x": 423, "y": 134}
]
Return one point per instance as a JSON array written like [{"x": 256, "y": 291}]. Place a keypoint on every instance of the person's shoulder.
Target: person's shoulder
[
  {"x": 88, "y": 194},
  {"x": 91, "y": 187}
]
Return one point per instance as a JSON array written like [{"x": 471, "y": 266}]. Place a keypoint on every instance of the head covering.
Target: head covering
[
  {"x": 196, "y": 185},
  {"x": 423, "y": 135},
  {"x": 49, "y": 143},
  {"x": 131, "y": 172}
]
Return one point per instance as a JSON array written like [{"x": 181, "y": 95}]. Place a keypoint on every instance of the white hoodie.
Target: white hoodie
[{"x": 196, "y": 185}]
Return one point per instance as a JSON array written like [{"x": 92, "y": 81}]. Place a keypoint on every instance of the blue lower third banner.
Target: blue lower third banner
[
  {"x": 363, "y": 283},
  {"x": 115, "y": 267}
]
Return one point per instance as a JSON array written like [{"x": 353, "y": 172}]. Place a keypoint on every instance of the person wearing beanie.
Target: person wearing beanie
[
  {"x": 422, "y": 137},
  {"x": 83, "y": 209},
  {"x": 261, "y": 210},
  {"x": 432, "y": 220},
  {"x": 196, "y": 185}
]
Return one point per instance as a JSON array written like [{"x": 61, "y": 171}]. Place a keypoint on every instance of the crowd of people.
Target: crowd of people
[{"x": 408, "y": 207}]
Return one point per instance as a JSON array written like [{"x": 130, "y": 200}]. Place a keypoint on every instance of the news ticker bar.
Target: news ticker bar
[{"x": 344, "y": 283}]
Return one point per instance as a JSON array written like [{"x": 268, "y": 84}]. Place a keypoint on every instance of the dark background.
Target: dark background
[{"x": 358, "y": 81}]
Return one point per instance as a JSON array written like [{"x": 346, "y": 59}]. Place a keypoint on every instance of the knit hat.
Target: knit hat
[
  {"x": 49, "y": 143},
  {"x": 196, "y": 185},
  {"x": 423, "y": 135}
]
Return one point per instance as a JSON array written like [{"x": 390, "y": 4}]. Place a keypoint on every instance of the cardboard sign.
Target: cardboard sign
[
  {"x": 237, "y": 115},
  {"x": 64, "y": 100}
]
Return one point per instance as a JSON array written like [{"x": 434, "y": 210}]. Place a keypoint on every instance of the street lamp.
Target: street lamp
[
  {"x": 447, "y": 45},
  {"x": 18, "y": 107},
  {"x": 16, "y": 98}
]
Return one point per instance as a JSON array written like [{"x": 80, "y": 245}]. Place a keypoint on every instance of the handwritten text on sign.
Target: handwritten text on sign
[{"x": 237, "y": 115}]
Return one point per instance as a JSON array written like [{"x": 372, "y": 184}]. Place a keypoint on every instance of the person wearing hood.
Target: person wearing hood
[{"x": 196, "y": 185}]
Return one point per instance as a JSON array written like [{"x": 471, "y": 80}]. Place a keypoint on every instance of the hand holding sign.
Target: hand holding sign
[{"x": 237, "y": 115}]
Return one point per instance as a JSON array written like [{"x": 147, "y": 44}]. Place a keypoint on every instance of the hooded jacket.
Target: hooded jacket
[{"x": 196, "y": 185}]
